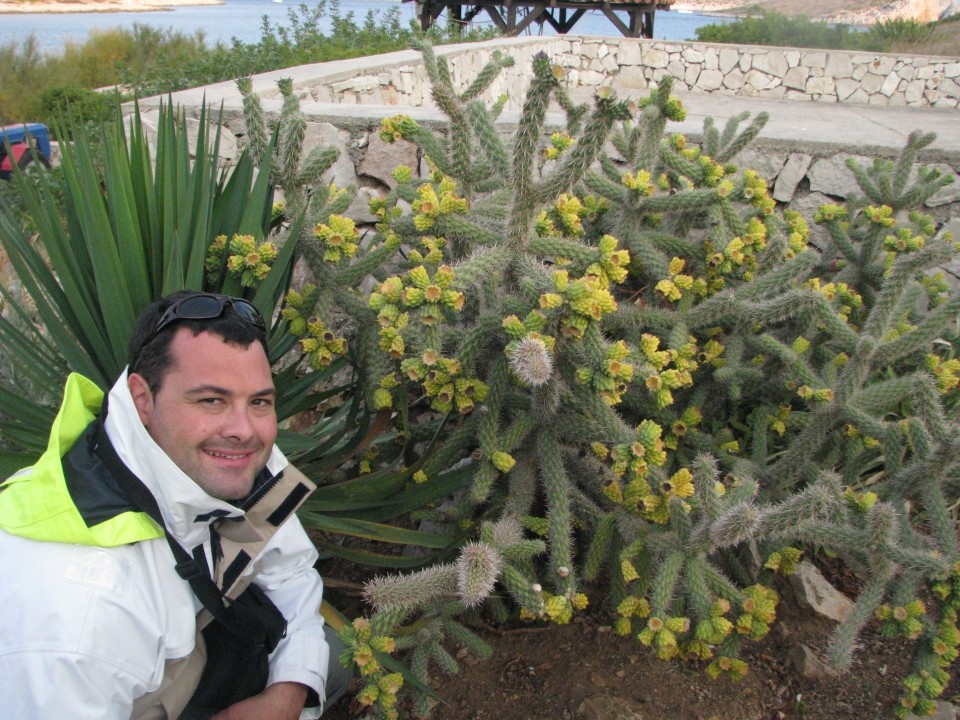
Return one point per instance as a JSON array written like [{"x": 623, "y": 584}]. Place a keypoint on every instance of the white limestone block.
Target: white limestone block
[
  {"x": 796, "y": 77},
  {"x": 821, "y": 86},
  {"x": 831, "y": 176},
  {"x": 677, "y": 69},
  {"x": 859, "y": 96},
  {"x": 758, "y": 79},
  {"x": 342, "y": 172},
  {"x": 881, "y": 66},
  {"x": 711, "y": 59},
  {"x": 814, "y": 60},
  {"x": 846, "y": 87},
  {"x": 950, "y": 87},
  {"x": 630, "y": 52},
  {"x": 656, "y": 58},
  {"x": 734, "y": 79},
  {"x": 710, "y": 80},
  {"x": 591, "y": 78},
  {"x": 890, "y": 84},
  {"x": 772, "y": 62},
  {"x": 871, "y": 84},
  {"x": 790, "y": 175},
  {"x": 839, "y": 65},
  {"x": 729, "y": 58}
]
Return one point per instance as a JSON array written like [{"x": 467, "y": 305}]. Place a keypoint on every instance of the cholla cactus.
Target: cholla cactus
[
  {"x": 637, "y": 363},
  {"x": 708, "y": 409},
  {"x": 441, "y": 592}
]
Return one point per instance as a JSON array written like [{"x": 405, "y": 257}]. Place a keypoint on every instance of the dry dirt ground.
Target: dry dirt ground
[{"x": 559, "y": 672}]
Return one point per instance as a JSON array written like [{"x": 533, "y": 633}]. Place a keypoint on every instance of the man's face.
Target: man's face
[{"x": 214, "y": 414}]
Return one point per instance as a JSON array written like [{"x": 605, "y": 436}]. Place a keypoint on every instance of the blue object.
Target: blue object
[{"x": 18, "y": 134}]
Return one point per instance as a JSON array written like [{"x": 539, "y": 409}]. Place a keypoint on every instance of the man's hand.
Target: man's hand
[{"x": 280, "y": 701}]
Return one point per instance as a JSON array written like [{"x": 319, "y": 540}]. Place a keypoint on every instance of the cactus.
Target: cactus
[{"x": 638, "y": 364}]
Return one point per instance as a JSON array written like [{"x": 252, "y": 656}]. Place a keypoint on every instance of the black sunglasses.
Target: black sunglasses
[{"x": 205, "y": 306}]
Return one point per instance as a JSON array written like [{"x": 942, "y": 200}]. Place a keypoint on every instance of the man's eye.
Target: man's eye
[
  {"x": 263, "y": 403},
  {"x": 211, "y": 401}
]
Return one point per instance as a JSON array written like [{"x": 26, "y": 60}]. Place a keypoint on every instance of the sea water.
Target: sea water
[{"x": 242, "y": 19}]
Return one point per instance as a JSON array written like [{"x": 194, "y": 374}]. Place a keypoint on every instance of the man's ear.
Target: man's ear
[{"x": 142, "y": 396}]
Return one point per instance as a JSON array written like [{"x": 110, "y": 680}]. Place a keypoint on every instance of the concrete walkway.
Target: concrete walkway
[
  {"x": 822, "y": 128},
  {"x": 799, "y": 126}
]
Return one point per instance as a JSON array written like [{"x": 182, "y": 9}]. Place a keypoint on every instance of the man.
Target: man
[{"x": 145, "y": 541}]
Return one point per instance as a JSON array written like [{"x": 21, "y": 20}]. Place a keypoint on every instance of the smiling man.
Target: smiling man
[{"x": 153, "y": 564}]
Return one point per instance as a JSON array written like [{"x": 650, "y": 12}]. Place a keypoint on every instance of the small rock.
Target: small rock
[
  {"x": 809, "y": 665},
  {"x": 326, "y": 135},
  {"x": 833, "y": 177},
  {"x": 607, "y": 707},
  {"x": 814, "y": 592},
  {"x": 794, "y": 170},
  {"x": 949, "y": 193},
  {"x": 765, "y": 162},
  {"x": 382, "y": 158}
]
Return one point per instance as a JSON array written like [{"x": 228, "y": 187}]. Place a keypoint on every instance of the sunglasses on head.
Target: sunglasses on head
[{"x": 205, "y": 306}]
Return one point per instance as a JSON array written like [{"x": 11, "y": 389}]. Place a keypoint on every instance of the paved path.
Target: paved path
[{"x": 803, "y": 125}]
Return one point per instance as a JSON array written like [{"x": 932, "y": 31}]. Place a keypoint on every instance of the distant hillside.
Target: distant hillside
[
  {"x": 859, "y": 12},
  {"x": 80, "y": 6}
]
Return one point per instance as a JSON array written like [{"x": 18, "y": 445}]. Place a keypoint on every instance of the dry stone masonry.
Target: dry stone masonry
[{"x": 591, "y": 62}]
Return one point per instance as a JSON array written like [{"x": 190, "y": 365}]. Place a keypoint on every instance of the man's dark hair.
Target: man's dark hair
[{"x": 148, "y": 352}]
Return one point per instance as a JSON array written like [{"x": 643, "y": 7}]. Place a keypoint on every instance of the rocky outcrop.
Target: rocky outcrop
[{"x": 920, "y": 10}]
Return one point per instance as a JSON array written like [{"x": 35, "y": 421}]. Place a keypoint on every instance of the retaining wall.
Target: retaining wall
[{"x": 630, "y": 64}]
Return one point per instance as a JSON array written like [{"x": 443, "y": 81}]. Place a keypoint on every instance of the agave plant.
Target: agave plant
[{"x": 128, "y": 228}]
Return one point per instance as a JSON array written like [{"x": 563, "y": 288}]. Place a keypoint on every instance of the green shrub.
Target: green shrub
[
  {"x": 773, "y": 28},
  {"x": 147, "y": 61},
  {"x": 901, "y": 30},
  {"x": 895, "y": 35},
  {"x": 79, "y": 104}
]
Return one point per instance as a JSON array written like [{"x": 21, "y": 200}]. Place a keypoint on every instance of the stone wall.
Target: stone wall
[{"x": 792, "y": 73}]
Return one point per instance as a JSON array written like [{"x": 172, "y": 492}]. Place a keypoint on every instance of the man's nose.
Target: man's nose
[{"x": 238, "y": 423}]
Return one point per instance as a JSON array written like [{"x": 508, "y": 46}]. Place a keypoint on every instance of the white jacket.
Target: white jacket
[{"x": 84, "y": 631}]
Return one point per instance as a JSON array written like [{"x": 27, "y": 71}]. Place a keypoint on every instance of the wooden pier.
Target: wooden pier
[{"x": 513, "y": 17}]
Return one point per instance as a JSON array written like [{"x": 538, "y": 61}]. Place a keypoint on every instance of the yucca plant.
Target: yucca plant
[{"x": 128, "y": 228}]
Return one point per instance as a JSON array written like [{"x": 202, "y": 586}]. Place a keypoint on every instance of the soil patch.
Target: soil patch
[{"x": 549, "y": 672}]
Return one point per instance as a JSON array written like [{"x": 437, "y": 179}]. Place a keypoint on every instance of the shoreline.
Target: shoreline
[{"x": 48, "y": 7}]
